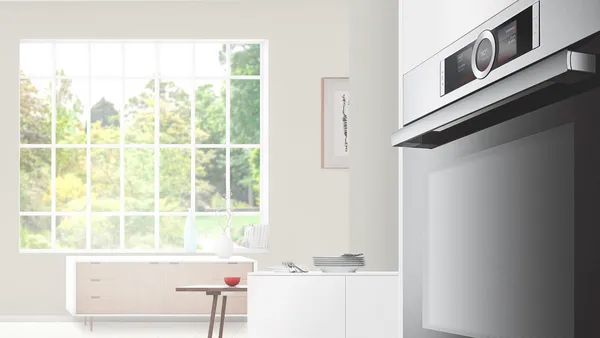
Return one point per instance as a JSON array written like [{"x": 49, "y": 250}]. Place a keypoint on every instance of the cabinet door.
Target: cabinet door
[
  {"x": 430, "y": 26},
  {"x": 372, "y": 306},
  {"x": 182, "y": 274},
  {"x": 144, "y": 289},
  {"x": 296, "y": 306}
]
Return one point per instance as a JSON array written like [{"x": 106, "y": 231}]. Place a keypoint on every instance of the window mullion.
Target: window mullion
[
  {"x": 54, "y": 91},
  {"x": 193, "y": 133},
  {"x": 228, "y": 128},
  {"x": 122, "y": 153},
  {"x": 88, "y": 157},
  {"x": 157, "y": 149}
]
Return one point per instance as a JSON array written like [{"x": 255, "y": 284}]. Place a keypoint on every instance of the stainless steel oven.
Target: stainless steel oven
[{"x": 501, "y": 179}]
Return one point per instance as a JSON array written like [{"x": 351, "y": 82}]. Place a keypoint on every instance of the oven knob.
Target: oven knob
[{"x": 484, "y": 54}]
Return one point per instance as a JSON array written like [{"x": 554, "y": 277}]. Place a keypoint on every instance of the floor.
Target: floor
[{"x": 118, "y": 330}]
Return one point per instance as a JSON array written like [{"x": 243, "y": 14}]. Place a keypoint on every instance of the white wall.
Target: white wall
[
  {"x": 374, "y": 69},
  {"x": 308, "y": 40}
]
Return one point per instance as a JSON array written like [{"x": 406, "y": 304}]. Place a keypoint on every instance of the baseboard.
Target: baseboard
[{"x": 128, "y": 318}]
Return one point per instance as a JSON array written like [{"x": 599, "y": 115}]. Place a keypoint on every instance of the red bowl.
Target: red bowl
[{"x": 232, "y": 281}]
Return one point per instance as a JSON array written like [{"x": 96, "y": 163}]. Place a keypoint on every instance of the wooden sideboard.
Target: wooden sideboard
[{"x": 145, "y": 285}]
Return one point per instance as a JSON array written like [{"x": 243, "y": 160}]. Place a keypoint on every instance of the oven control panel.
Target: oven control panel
[{"x": 492, "y": 49}]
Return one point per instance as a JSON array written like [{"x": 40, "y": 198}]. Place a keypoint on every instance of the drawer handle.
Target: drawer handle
[
  {"x": 94, "y": 280},
  {"x": 153, "y": 262},
  {"x": 173, "y": 262},
  {"x": 95, "y": 263},
  {"x": 231, "y": 262},
  {"x": 95, "y": 297}
]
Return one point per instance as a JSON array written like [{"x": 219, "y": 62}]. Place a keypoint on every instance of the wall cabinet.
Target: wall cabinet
[
  {"x": 319, "y": 305},
  {"x": 146, "y": 285}
]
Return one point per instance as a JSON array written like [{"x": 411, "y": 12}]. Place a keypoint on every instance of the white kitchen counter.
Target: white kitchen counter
[
  {"x": 325, "y": 274},
  {"x": 323, "y": 305}
]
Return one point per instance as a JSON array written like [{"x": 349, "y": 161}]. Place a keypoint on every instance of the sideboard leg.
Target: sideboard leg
[
  {"x": 91, "y": 323},
  {"x": 84, "y": 320}
]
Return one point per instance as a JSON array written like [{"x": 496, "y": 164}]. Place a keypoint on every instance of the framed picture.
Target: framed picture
[{"x": 335, "y": 104}]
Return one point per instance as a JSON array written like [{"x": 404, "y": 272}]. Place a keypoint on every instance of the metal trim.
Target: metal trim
[{"x": 486, "y": 34}]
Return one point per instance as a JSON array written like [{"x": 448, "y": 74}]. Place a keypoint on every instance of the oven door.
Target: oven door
[{"x": 501, "y": 235}]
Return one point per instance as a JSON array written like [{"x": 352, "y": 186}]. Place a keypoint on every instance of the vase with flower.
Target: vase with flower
[{"x": 224, "y": 244}]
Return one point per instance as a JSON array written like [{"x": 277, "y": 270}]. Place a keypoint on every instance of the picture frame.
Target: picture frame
[{"x": 335, "y": 104}]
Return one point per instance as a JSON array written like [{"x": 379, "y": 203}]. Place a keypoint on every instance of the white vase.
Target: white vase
[
  {"x": 224, "y": 246},
  {"x": 190, "y": 234}
]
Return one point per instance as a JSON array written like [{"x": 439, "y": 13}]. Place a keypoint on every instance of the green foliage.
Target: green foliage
[{"x": 138, "y": 126}]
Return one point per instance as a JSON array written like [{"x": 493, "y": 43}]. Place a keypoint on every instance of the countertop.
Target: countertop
[
  {"x": 159, "y": 259},
  {"x": 320, "y": 273}
]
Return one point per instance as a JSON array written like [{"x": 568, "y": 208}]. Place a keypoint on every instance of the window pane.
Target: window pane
[
  {"x": 71, "y": 111},
  {"x": 245, "y": 59},
  {"x": 175, "y": 179},
  {"x": 36, "y": 111},
  {"x": 139, "y": 179},
  {"x": 35, "y": 232},
  {"x": 171, "y": 232},
  {"x": 175, "y": 112},
  {"x": 209, "y": 230},
  {"x": 238, "y": 226},
  {"x": 105, "y": 232},
  {"x": 245, "y": 111},
  {"x": 139, "y": 232},
  {"x": 105, "y": 180},
  {"x": 70, "y": 232},
  {"x": 71, "y": 177},
  {"x": 35, "y": 180},
  {"x": 72, "y": 59},
  {"x": 245, "y": 179},
  {"x": 139, "y": 111},
  {"x": 175, "y": 59},
  {"x": 210, "y": 59},
  {"x": 36, "y": 59},
  {"x": 140, "y": 59},
  {"x": 106, "y": 59},
  {"x": 106, "y": 106},
  {"x": 210, "y": 112},
  {"x": 210, "y": 178}
]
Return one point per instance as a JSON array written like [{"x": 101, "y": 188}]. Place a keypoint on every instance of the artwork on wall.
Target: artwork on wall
[{"x": 335, "y": 103}]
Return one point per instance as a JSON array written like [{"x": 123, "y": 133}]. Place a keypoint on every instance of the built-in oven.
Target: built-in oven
[{"x": 501, "y": 179}]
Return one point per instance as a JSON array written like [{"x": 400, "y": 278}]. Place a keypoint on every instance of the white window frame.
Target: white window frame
[{"x": 263, "y": 212}]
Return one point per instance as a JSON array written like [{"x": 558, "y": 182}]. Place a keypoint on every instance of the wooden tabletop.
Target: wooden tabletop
[{"x": 212, "y": 288}]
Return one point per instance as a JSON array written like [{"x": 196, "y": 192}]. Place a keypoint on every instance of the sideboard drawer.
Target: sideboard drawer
[
  {"x": 98, "y": 287},
  {"x": 98, "y": 304}
]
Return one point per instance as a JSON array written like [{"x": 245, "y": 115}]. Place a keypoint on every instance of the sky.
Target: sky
[{"x": 106, "y": 62}]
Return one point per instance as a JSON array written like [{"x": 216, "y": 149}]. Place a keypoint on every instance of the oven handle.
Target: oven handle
[{"x": 483, "y": 109}]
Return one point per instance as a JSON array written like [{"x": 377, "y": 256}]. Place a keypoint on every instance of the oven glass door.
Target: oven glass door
[{"x": 497, "y": 229}]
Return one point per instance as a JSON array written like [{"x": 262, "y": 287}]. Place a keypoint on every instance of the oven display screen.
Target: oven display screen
[
  {"x": 458, "y": 69},
  {"x": 507, "y": 42}
]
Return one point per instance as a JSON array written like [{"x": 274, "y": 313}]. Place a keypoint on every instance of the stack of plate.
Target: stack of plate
[{"x": 339, "y": 263}]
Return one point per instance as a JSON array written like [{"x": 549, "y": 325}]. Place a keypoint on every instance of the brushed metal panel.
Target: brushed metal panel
[
  {"x": 429, "y": 26},
  {"x": 562, "y": 23}
]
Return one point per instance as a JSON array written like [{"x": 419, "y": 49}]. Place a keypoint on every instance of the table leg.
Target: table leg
[
  {"x": 85, "y": 321},
  {"x": 224, "y": 300},
  {"x": 213, "y": 311}
]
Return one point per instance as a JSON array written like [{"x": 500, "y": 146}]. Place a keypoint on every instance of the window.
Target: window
[{"x": 119, "y": 139}]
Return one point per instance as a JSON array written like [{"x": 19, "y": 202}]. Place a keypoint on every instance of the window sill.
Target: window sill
[{"x": 236, "y": 251}]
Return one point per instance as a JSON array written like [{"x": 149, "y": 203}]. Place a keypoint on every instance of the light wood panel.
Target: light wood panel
[{"x": 149, "y": 287}]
